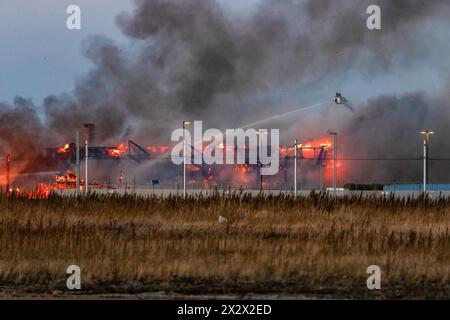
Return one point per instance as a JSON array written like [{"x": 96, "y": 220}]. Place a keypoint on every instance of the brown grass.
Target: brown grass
[{"x": 315, "y": 246}]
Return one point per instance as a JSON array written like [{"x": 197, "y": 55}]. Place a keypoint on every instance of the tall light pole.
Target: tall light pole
[
  {"x": 334, "y": 134},
  {"x": 8, "y": 163},
  {"x": 295, "y": 167},
  {"x": 322, "y": 155},
  {"x": 185, "y": 125},
  {"x": 89, "y": 137},
  {"x": 426, "y": 136},
  {"x": 77, "y": 165},
  {"x": 86, "y": 179},
  {"x": 260, "y": 133}
]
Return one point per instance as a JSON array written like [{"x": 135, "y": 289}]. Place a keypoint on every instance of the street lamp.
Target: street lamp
[
  {"x": 77, "y": 141},
  {"x": 426, "y": 136},
  {"x": 295, "y": 166},
  {"x": 185, "y": 125},
  {"x": 260, "y": 133},
  {"x": 86, "y": 151},
  {"x": 334, "y": 134},
  {"x": 322, "y": 156}
]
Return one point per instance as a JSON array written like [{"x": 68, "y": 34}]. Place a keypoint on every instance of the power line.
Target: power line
[{"x": 283, "y": 157}]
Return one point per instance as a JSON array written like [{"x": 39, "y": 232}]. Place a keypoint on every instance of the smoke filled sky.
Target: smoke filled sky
[
  {"x": 39, "y": 56},
  {"x": 137, "y": 68}
]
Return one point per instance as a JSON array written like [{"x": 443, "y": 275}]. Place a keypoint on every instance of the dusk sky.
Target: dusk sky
[{"x": 40, "y": 56}]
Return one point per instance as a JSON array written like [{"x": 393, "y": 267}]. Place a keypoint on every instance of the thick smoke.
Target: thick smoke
[
  {"x": 21, "y": 129},
  {"x": 195, "y": 59}
]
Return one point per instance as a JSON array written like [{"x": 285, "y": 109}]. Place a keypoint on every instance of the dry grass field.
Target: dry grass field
[{"x": 316, "y": 246}]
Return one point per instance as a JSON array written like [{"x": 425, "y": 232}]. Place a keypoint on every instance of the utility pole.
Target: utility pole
[
  {"x": 425, "y": 165},
  {"x": 334, "y": 134},
  {"x": 259, "y": 133},
  {"x": 320, "y": 159},
  {"x": 77, "y": 165},
  {"x": 8, "y": 162},
  {"x": 185, "y": 124},
  {"x": 295, "y": 167},
  {"x": 260, "y": 177},
  {"x": 426, "y": 138},
  {"x": 89, "y": 136},
  {"x": 320, "y": 177},
  {"x": 86, "y": 180}
]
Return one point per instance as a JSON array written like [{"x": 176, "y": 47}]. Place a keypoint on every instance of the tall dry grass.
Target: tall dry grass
[{"x": 309, "y": 245}]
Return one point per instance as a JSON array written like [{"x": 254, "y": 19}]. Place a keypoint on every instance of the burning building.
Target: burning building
[
  {"x": 130, "y": 165},
  {"x": 280, "y": 56}
]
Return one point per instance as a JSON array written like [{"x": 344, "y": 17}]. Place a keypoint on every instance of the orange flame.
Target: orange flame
[
  {"x": 64, "y": 149},
  {"x": 157, "y": 149},
  {"x": 118, "y": 151}
]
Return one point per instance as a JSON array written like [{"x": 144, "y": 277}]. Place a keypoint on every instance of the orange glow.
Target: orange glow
[
  {"x": 242, "y": 171},
  {"x": 64, "y": 149},
  {"x": 209, "y": 180},
  {"x": 68, "y": 178},
  {"x": 265, "y": 185},
  {"x": 311, "y": 150},
  {"x": 117, "y": 152},
  {"x": 192, "y": 168},
  {"x": 228, "y": 147},
  {"x": 163, "y": 149},
  {"x": 43, "y": 190},
  {"x": 157, "y": 149},
  {"x": 286, "y": 151}
]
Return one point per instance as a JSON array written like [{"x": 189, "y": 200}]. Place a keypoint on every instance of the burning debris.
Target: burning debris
[
  {"x": 64, "y": 149},
  {"x": 117, "y": 152},
  {"x": 69, "y": 179}
]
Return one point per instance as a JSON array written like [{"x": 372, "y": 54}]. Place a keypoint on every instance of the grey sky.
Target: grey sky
[{"x": 38, "y": 54}]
